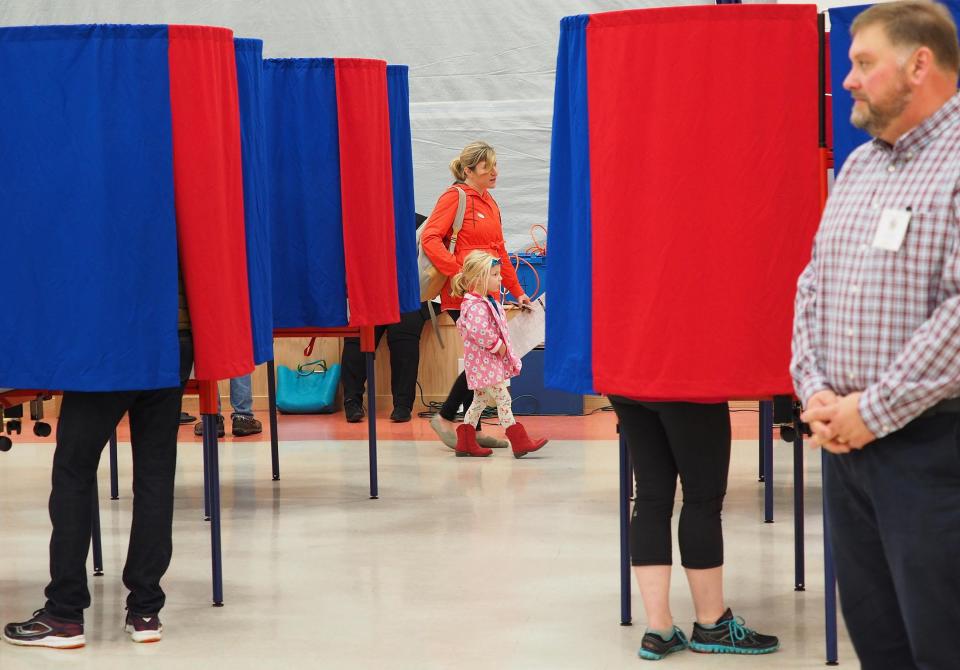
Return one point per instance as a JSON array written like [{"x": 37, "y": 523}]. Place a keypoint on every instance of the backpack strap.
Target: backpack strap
[{"x": 458, "y": 219}]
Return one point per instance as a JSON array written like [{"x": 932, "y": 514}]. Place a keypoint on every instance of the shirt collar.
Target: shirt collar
[{"x": 921, "y": 135}]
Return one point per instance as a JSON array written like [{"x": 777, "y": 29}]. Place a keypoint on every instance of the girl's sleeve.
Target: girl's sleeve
[{"x": 480, "y": 327}]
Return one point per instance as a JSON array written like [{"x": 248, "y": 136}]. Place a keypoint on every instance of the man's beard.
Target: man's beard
[{"x": 880, "y": 114}]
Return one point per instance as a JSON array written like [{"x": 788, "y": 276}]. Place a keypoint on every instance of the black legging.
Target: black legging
[
  {"x": 459, "y": 393},
  {"x": 667, "y": 439}
]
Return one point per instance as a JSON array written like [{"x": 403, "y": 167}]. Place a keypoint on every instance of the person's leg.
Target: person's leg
[
  {"x": 501, "y": 396},
  {"x": 153, "y": 436},
  {"x": 699, "y": 436},
  {"x": 86, "y": 422},
  {"x": 404, "y": 341},
  {"x": 868, "y": 597},
  {"x": 353, "y": 372},
  {"x": 241, "y": 396},
  {"x": 476, "y": 408},
  {"x": 459, "y": 393},
  {"x": 650, "y": 537},
  {"x": 241, "y": 400},
  {"x": 913, "y": 479}
]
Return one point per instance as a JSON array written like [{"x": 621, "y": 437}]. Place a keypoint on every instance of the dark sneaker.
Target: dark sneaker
[
  {"x": 353, "y": 412},
  {"x": 221, "y": 431},
  {"x": 654, "y": 647},
  {"x": 400, "y": 415},
  {"x": 143, "y": 628},
  {"x": 244, "y": 425},
  {"x": 187, "y": 418},
  {"x": 43, "y": 630},
  {"x": 730, "y": 636}
]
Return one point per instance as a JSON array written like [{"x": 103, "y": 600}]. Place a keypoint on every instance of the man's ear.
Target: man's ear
[{"x": 920, "y": 64}]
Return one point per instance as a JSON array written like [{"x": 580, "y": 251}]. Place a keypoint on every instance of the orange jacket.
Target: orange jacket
[{"x": 481, "y": 229}]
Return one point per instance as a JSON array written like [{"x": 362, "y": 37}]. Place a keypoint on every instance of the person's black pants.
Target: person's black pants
[
  {"x": 667, "y": 439},
  {"x": 894, "y": 516},
  {"x": 403, "y": 339},
  {"x": 87, "y": 420}
]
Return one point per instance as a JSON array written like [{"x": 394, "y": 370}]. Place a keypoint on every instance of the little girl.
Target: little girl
[{"x": 488, "y": 359}]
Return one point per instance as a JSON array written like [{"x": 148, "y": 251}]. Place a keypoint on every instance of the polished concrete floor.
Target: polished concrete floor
[{"x": 462, "y": 563}]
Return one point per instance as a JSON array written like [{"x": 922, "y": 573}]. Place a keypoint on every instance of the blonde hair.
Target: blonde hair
[
  {"x": 476, "y": 271},
  {"x": 472, "y": 155},
  {"x": 915, "y": 23}
]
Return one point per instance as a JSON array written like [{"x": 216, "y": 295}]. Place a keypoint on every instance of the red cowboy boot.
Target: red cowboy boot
[
  {"x": 467, "y": 442},
  {"x": 520, "y": 442}
]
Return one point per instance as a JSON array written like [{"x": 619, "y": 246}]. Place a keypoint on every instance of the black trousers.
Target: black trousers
[
  {"x": 667, "y": 439},
  {"x": 403, "y": 339},
  {"x": 894, "y": 515},
  {"x": 86, "y": 423}
]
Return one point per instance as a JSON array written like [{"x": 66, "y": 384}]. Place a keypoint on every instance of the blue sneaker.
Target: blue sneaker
[
  {"x": 654, "y": 647},
  {"x": 730, "y": 636}
]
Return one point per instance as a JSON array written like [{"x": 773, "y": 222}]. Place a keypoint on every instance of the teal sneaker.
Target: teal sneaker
[
  {"x": 730, "y": 636},
  {"x": 654, "y": 647}
]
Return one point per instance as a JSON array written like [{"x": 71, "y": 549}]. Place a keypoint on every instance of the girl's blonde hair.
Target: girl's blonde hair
[
  {"x": 475, "y": 272},
  {"x": 472, "y": 155}
]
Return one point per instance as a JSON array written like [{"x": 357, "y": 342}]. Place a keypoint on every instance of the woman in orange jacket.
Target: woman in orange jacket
[{"x": 475, "y": 172}]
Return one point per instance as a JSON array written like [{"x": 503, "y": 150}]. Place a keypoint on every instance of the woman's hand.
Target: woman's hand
[{"x": 524, "y": 301}]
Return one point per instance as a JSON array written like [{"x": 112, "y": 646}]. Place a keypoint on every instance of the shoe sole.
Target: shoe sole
[
  {"x": 75, "y": 642},
  {"x": 403, "y": 420},
  {"x": 647, "y": 655},
  {"x": 463, "y": 454},
  {"x": 724, "y": 649},
  {"x": 246, "y": 433},
  {"x": 144, "y": 637},
  {"x": 524, "y": 453},
  {"x": 492, "y": 442}
]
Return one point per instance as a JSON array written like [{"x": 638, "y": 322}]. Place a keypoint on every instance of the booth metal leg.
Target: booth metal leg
[
  {"x": 766, "y": 441},
  {"x": 372, "y": 422},
  {"x": 274, "y": 439},
  {"x": 114, "y": 478},
  {"x": 212, "y": 462},
  {"x": 761, "y": 457},
  {"x": 95, "y": 535},
  {"x": 626, "y": 482},
  {"x": 798, "y": 527},
  {"x": 206, "y": 469},
  {"x": 829, "y": 581}
]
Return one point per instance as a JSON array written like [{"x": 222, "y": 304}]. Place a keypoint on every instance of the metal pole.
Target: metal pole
[
  {"x": 766, "y": 438},
  {"x": 798, "y": 529},
  {"x": 114, "y": 478},
  {"x": 274, "y": 439},
  {"x": 626, "y": 481},
  {"x": 372, "y": 421},
  {"x": 95, "y": 533}
]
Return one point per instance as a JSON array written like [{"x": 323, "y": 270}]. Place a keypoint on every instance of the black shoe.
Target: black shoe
[
  {"x": 244, "y": 425},
  {"x": 221, "y": 431},
  {"x": 143, "y": 628},
  {"x": 730, "y": 636},
  {"x": 186, "y": 418},
  {"x": 43, "y": 630},
  {"x": 400, "y": 415},
  {"x": 654, "y": 647},
  {"x": 353, "y": 411}
]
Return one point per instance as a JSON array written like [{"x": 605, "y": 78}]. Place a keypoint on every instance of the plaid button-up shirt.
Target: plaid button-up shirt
[{"x": 887, "y": 323}]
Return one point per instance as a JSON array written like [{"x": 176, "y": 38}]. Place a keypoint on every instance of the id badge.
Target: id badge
[{"x": 892, "y": 229}]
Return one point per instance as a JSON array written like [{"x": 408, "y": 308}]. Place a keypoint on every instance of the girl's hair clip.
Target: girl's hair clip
[{"x": 495, "y": 262}]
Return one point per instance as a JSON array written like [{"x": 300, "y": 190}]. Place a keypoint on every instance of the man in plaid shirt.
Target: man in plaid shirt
[{"x": 876, "y": 346}]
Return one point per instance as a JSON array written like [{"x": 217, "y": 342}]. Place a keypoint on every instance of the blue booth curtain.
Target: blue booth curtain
[
  {"x": 569, "y": 364},
  {"x": 305, "y": 210},
  {"x": 249, "y": 54},
  {"x": 87, "y": 220},
  {"x": 404, "y": 208}
]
